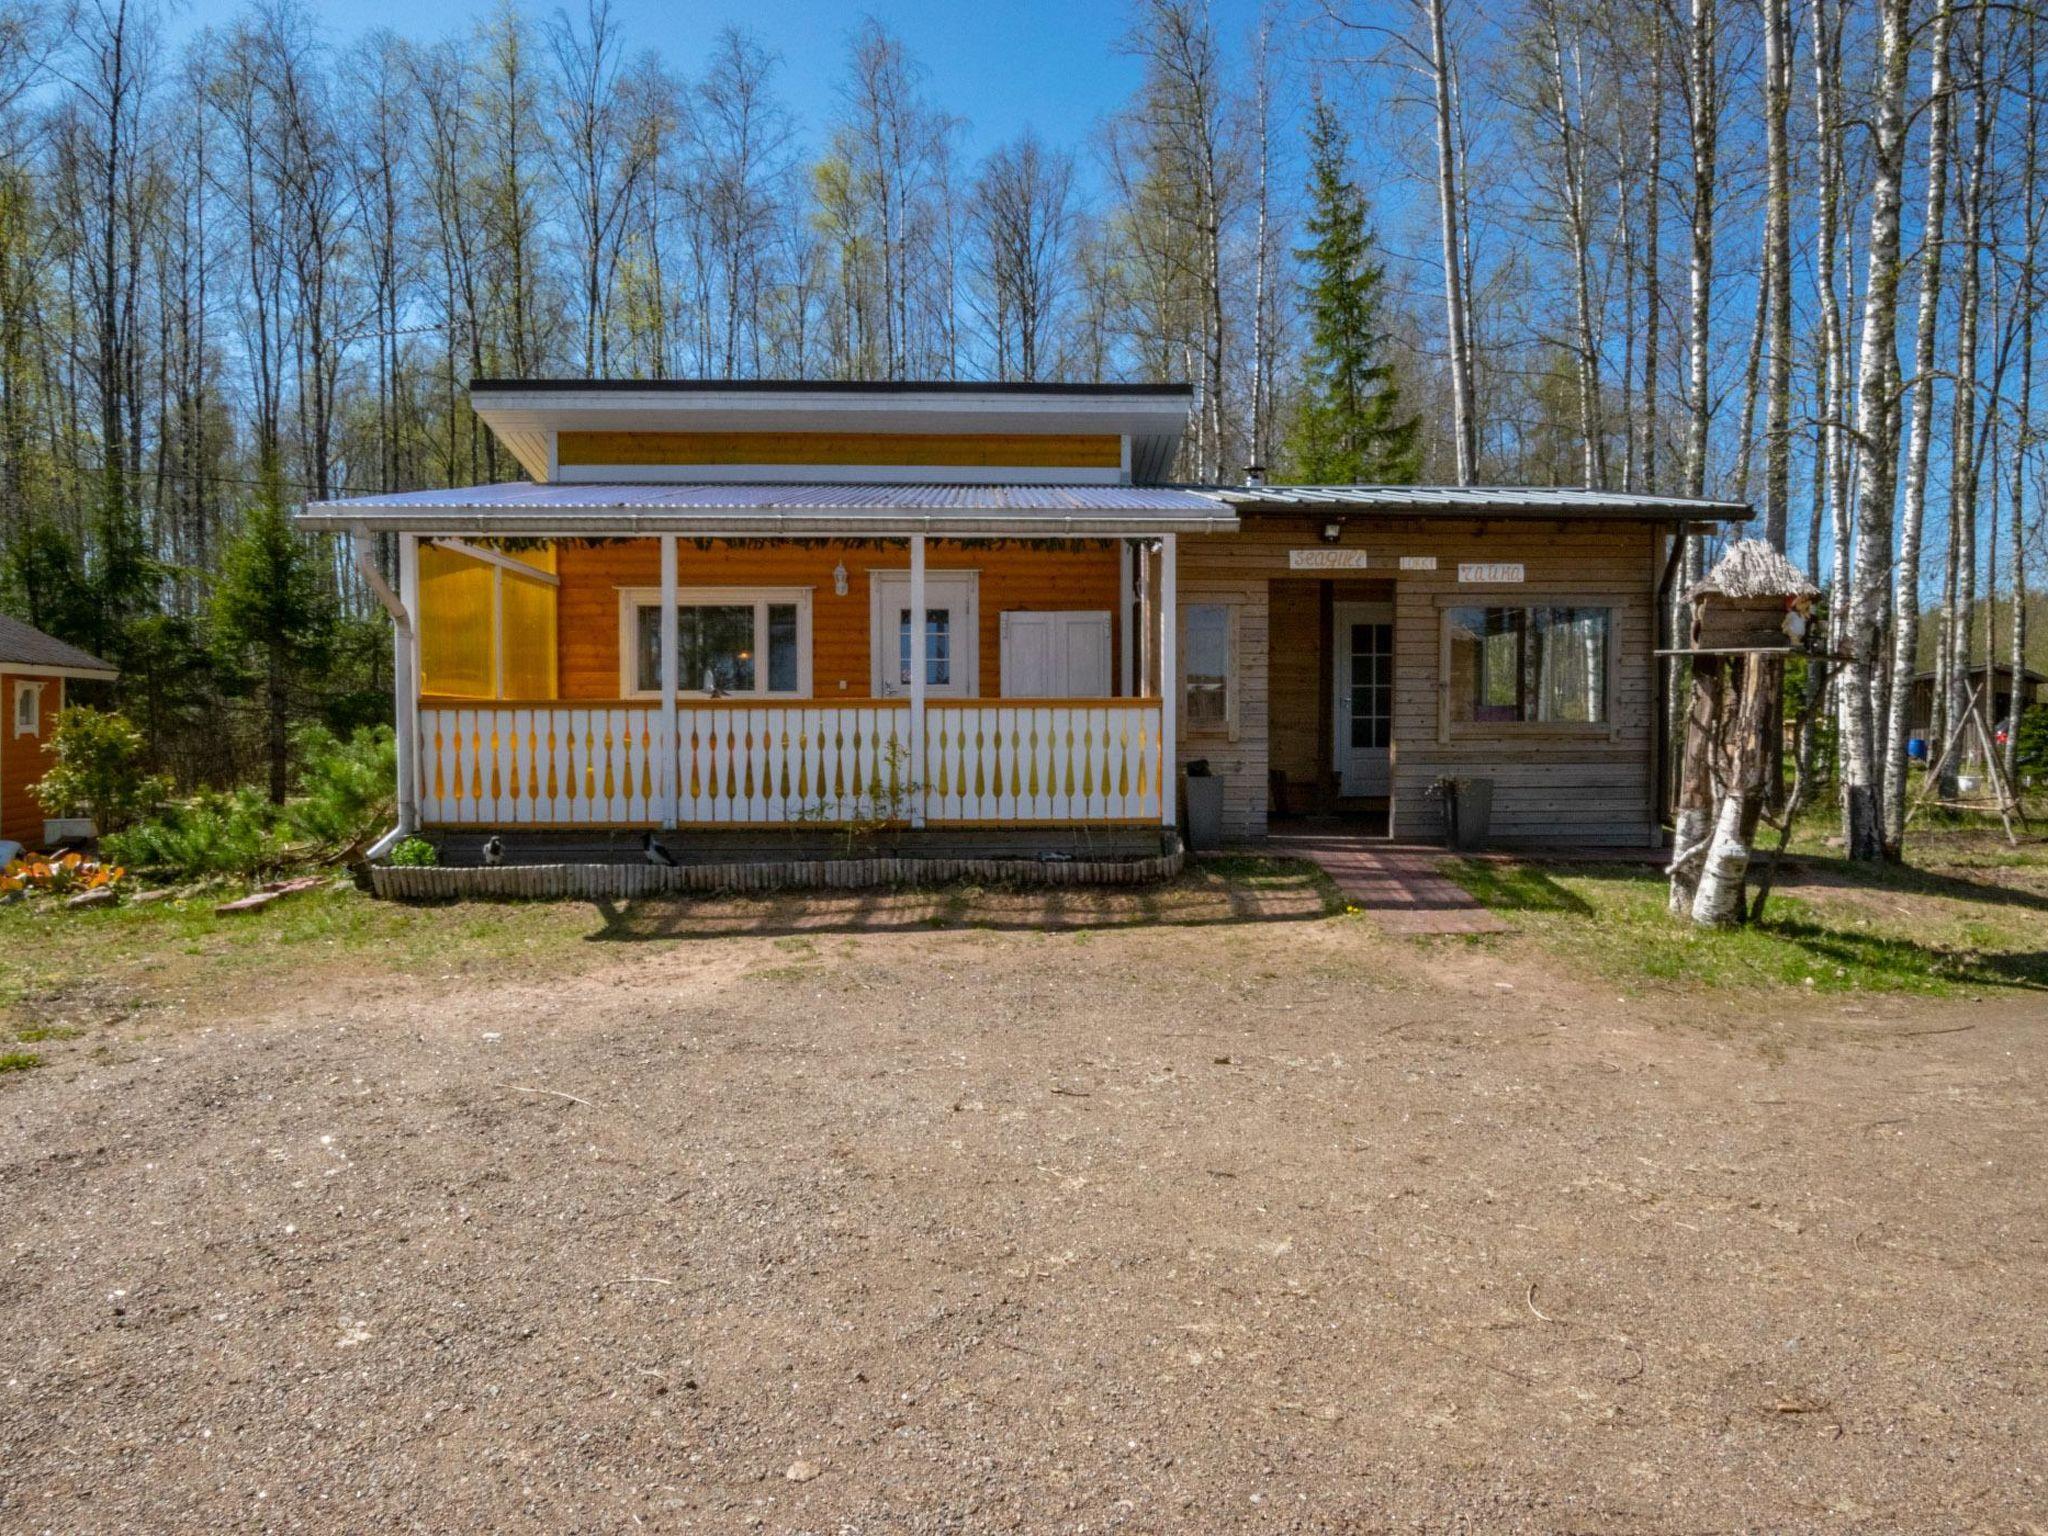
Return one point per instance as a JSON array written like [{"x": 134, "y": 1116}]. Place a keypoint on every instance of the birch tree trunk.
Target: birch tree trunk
[
  {"x": 2023, "y": 426},
  {"x": 1457, "y": 312},
  {"x": 1778, "y": 44},
  {"x": 1876, "y": 427},
  {"x": 1719, "y": 901},
  {"x": 1906, "y": 584},
  {"x": 1964, "y": 479}
]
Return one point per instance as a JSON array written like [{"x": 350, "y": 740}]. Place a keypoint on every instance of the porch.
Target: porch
[{"x": 855, "y": 667}]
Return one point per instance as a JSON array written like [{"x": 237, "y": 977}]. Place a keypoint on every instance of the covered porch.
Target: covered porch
[{"x": 620, "y": 659}]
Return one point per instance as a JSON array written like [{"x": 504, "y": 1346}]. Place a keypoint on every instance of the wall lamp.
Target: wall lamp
[{"x": 1332, "y": 532}]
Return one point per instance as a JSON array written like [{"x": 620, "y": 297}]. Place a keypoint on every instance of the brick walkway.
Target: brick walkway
[{"x": 1397, "y": 885}]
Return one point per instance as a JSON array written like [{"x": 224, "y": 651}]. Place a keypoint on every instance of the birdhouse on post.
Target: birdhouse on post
[
  {"x": 1748, "y": 614},
  {"x": 1754, "y": 599}
]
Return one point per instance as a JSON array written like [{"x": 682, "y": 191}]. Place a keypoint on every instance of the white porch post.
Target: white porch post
[
  {"x": 917, "y": 676},
  {"x": 670, "y": 734},
  {"x": 1125, "y": 682},
  {"x": 1169, "y": 688},
  {"x": 406, "y": 683}
]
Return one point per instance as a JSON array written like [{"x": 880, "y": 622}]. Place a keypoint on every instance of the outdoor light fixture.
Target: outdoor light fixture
[
  {"x": 839, "y": 579},
  {"x": 1332, "y": 532}
]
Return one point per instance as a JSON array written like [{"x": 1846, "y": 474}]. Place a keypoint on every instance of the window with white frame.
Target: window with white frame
[
  {"x": 1208, "y": 661},
  {"x": 28, "y": 709},
  {"x": 1528, "y": 665},
  {"x": 731, "y": 642}
]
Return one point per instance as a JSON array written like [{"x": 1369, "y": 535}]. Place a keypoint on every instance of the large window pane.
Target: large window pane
[
  {"x": 1205, "y": 658},
  {"x": 782, "y": 660},
  {"x": 647, "y": 649},
  {"x": 1540, "y": 665},
  {"x": 938, "y": 646},
  {"x": 717, "y": 647}
]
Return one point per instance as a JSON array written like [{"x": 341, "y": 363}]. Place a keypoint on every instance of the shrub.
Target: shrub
[
  {"x": 346, "y": 787},
  {"x": 2032, "y": 747},
  {"x": 415, "y": 853},
  {"x": 97, "y": 770},
  {"x": 232, "y": 832}
]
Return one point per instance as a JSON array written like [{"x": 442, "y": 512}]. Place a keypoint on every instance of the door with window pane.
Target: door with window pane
[
  {"x": 948, "y": 635},
  {"x": 1363, "y": 635}
]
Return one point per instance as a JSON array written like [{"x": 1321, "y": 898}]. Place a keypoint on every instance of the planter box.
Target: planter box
[{"x": 58, "y": 831}]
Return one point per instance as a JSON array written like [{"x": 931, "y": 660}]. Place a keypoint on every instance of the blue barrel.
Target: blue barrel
[{"x": 1916, "y": 748}]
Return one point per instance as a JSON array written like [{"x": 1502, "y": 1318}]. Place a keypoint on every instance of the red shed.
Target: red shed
[{"x": 34, "y": 668}]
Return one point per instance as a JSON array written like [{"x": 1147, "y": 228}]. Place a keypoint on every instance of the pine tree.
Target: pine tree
[
  {"x": 273, "y": 621},
  {"x": 1348, "y": 428}
]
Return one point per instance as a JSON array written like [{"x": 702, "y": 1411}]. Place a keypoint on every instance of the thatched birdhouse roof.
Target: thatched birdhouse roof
[{"x": 1753, "y": 569}]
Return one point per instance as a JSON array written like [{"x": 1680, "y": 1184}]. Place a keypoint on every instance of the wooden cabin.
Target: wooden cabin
[
  {"x": 721, "y": 607},
  {"x": 34, "y": 671},
  {"x": 1994, "y": 690}
]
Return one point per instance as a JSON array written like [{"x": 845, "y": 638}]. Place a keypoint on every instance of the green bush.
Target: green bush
[
  {"x": 2033, "y": 740},
  {"x": 96, "y": 769},
  {"x": 415, "y": 853},
  {"x": 216, "y": 832},
  {"x": 346, "y": 788},
  {"x": 347, "y": 794}
]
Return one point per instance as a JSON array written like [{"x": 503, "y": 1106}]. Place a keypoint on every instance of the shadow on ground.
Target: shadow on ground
[{"x": 1218, "y": 892}]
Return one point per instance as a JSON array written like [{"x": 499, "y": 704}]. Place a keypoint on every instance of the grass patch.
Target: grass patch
[
  {"x": 19, "y": 1061},
  {"x": 37, "y": 1034},
  {"x": 1896, "y": 929},
  {"x": 171, "y": 948}
]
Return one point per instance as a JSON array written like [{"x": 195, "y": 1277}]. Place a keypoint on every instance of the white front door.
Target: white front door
[
  {"x": 952, "y": 613},
  {"x": 1056, "y": 655},
  {"x": 1363, "y": 634}
]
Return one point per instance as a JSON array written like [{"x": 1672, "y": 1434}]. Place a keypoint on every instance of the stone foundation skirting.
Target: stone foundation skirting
[{"x": 625, "y": 882}]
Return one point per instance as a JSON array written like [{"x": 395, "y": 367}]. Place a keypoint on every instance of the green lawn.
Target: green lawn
[{"x": 1961, "y": 916}]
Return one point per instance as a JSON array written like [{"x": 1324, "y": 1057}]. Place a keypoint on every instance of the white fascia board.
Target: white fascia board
[
  {"x": 511, "y": 412},
  {"x": 744, "y": 523},
  {"x": 37, "y": 669}
]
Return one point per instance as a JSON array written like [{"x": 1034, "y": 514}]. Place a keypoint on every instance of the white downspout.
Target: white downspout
[
  {"x": 404, "y": 670},
  {"x": 1169, "y": 666}
]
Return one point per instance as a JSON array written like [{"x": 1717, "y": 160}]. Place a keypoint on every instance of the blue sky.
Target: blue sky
[{"x": 1002, "y": 66}]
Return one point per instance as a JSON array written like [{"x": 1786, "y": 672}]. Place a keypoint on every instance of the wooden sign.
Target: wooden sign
[
  {"x": 1488, "y": 574},
  {"x": 1418, "y": 562},
  {"x": 1326, "y": 559}
]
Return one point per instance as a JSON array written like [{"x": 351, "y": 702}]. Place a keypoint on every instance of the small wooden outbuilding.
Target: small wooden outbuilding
[{"x": 34, "y": 669}]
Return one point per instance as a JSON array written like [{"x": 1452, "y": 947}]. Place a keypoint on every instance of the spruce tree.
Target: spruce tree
[
  {"x": 1348, "y": 425},
  {"x": 273, "y": 621}
]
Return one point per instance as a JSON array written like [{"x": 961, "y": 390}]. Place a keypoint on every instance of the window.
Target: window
[
  {"x": 729, "y": 642},
  {"x": 1208, "y": 690},
  {"x": 1372, "y": 686},
  {"x": 938, "y": 647},
  {"x": 1534, "y": 665},
  {"x": 28, "y": 709}
]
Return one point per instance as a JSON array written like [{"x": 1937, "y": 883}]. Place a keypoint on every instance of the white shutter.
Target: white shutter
[{"x": 1062, "y": 655}]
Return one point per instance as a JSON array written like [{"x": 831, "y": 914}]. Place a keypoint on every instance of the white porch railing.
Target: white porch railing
[{"x": 789, "y": 763}]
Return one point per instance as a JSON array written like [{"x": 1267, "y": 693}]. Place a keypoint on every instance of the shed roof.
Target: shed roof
[
  {"x": 1753, "y": 568},
  {"x": 813, "y": 510},
  {"x": 1488, "y": 501},
  {"x": 24, "y": 648}
]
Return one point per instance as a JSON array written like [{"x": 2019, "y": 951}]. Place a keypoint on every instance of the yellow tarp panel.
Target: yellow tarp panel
[
  {"x": 529, "y": 628},
  {"x": 455, "y": 624},
  {"x": 459, "y": 603}
]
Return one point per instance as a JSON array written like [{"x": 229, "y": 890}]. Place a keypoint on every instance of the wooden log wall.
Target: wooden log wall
[
  {"x": 1568, "y": 785},
  {"x": 1042, "y": 576}
]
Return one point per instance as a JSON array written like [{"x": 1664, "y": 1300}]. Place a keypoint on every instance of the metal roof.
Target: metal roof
[
  {"x": 1477, "y": 501},
  {"x": 800, "y": 509},
  {"x": 24, "y": 647}
]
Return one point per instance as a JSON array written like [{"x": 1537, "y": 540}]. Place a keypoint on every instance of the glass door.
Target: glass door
[{"x": 1364, "y": 703}]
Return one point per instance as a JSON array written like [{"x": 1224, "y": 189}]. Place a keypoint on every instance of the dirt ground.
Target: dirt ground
[{"x": 816, "y": 1216}]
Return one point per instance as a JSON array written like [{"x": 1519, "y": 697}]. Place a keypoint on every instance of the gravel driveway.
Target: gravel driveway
[{"x": 838, "y": 1223}]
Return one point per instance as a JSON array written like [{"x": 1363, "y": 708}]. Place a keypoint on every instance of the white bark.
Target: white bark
[
  {"x": 1876, "y": 428},
  {"x": 1906, "y": 584},
  {"x": 1457, "y": 313}
]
